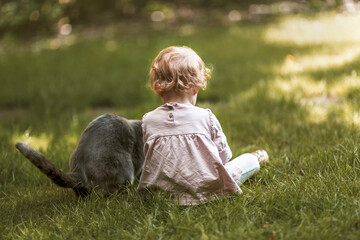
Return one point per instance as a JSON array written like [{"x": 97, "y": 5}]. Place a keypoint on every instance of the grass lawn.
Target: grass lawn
[{"x": 290, "y": 85}]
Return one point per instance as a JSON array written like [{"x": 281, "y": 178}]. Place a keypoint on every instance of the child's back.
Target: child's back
[{"x": 185, "y": 151}]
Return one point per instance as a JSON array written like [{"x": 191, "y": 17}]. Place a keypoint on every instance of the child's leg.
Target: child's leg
[{"x": 243, "y": 167}]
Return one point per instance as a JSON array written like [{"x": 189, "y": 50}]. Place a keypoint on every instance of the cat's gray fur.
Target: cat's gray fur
[{"x": 108, "y": 157}]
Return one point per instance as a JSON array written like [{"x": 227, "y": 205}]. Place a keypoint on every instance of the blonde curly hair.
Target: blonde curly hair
[{"x": 178, "y": 69}]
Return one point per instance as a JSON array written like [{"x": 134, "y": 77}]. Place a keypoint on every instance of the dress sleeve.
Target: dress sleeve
[{"x": 219, "y": 138}]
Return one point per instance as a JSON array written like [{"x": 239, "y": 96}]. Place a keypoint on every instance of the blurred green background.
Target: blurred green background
[
  {"x": 66, "y": 55},
  {"x": 40, "y": 16}
]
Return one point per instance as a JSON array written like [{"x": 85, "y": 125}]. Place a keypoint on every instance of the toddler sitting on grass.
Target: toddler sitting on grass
[{"x": 186, "y": 152}]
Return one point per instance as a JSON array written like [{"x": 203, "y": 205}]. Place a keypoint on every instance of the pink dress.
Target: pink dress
[{"x": 185, "y": 153}]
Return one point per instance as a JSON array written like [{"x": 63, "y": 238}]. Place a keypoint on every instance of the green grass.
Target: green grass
[{"x": 290, "y": 85}]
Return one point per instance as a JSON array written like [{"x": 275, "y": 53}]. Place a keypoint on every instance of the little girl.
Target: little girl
[{"x": 186, "y": 153}]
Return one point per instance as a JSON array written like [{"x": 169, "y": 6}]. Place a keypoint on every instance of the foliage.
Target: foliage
[{"x": 31, "y": 17}]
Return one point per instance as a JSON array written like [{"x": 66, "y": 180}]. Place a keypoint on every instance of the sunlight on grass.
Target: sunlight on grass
[
  {"x": 327, "y": 28},
  {"x": 344, "y": 112},
  {"x": 71, "y": 137},
  {"x": 320, "y": 60},
  {"x": 297, "y": 87},
  {"x": 317, "y": 114},
  {"x": 319, "y": 98},
  {"x": 331, "y": 43},
  {"x": 342, "y": 87},
  {"x": 40, "y": 142},
  {"x": 351, "y": 115}
]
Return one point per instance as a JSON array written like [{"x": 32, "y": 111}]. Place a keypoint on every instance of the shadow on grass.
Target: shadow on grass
[{"x": 335, "y": 73}]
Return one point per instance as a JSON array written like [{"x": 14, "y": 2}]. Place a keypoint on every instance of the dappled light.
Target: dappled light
[
  {"x": 40, "y": 141},
  {"x": 318, "y": 47},
  {"x": 234, "y": 16},
  {"x": 351, "y": 115},
  {"x": 303, "y": 88},
  {"x": 322, "y": 59},
  {"x": 65, "y": 29},
  {"x": 322, "y": 110},
  {"x": 71, "y": 136},
  {"x": 54, "y": 43},
  {"x": 342, "y": 87},
  {"x": 321, "y": 43},
  {"x": 318, "y": 99},
  {"x": 297, "y": 88},
  {"x": 317, "y": 113},
  {"x": 326, "y": 28},
  {"x": 157, "y": 16}
]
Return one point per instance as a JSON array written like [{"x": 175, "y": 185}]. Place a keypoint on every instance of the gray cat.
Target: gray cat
[{"x": 109, "y": 156}]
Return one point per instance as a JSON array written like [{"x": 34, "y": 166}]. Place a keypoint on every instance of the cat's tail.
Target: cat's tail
[{"x": 49, "y": 169}]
